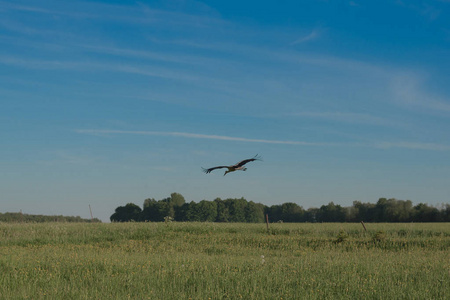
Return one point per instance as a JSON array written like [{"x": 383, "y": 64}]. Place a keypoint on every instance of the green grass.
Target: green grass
[{"x": 224, "y": 261}]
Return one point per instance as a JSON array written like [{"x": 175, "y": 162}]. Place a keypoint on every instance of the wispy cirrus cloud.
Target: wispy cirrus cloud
[
  {"x": 413, "y": 146},
  {"x": 358, "y": 118},
  {"x": 377, "y": 145},
  {"x": 11, "y": 6},
  {"x": 91, "y": 65},
  {"x": 408, "y": 89},
  {"x": 432, "y": 11},
  {"x": 314, "y": 34},
  {"x": 138, "y": 13},
  {"x": 198, "y": 136}
]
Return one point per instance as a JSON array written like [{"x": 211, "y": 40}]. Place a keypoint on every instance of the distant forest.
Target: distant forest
[
  {"x": 19, "y": 217},
  {"x": 175, "y": 208}
]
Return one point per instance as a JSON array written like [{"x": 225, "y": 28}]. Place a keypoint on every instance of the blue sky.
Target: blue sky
[{"x": 109, "y": 102}]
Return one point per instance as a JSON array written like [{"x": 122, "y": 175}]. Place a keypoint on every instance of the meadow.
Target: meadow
[{"x": 224, "y": 261}]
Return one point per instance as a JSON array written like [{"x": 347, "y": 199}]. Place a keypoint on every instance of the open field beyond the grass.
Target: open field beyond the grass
[{"x": 224, "y": 261}]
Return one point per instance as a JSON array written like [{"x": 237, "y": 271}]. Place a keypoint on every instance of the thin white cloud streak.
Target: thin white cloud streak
[
  {"x": 288, "y": 56},
  {"x": 275, "y": 54},
  {"x": 413, "y": 146},
  {"x": 198, "y": 136},
  {"x": 377, "y": 145},
  {"x": 425, "y": 9},
  {"x": 22, "y": 29},
  {"x": 132, "y": 14},
  {"x": 358, "y": 118},
  {"x": 408, "y": 94},
  {"x": 408, "y": 90},
  {"x": 314, "y": 34},
  {"x": 9, "y": 6},
  {"x": 149, "y": 55},
  {"x": 149, "y": 70},
  {"x": 144, "y": 13}
]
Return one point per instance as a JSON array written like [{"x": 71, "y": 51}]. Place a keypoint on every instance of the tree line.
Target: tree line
[
  {"x": 13, "y": 217},
  {"x": 175, "y": 208}
]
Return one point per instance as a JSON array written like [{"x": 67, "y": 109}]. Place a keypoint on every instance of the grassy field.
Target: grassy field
[{"x": 224, "y": 261}]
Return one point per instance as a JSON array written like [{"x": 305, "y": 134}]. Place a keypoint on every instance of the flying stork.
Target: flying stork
[{"x": 238, "y": 166}]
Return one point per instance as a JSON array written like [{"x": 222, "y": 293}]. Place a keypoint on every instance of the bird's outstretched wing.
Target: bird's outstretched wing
[
  {"x": 211, "y": 169},
  {"x": 241, "y": 163}
]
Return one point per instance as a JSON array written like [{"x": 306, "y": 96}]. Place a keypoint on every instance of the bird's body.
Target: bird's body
[{"x": 239, "y": 166}]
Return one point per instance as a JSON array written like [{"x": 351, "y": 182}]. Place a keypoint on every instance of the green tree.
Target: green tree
[
  {"x": 380, "y": 210},
  {"x": 223, "y": 212},
  {"x": 192, "y": 213},
  {"x": 331, "y": 213},
  {"x": 177, "y": 199},
  {"x": 425, "y": 213},
  {"x": 291, "y": 212},
  {"x": 445, "y": 213},
  {"x": 275, "y": 213},
  {"x": 149, "y": 202},
  {"x": 312, "y": 215},
  {"x": 165, "y": 209},
  {"x": 207, "y": 211},
  {"x": 362, "y": 212},
  {"x": 254, "y": 212},
  {"x": 240, "y": 210},
  {"x": 129, "y": 212},
  {"x": 156, "y": 211},
  {"x": 237, "y": 209}
]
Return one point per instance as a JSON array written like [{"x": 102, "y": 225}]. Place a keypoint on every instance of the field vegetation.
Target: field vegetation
[{"x": 224, "y": 261}]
